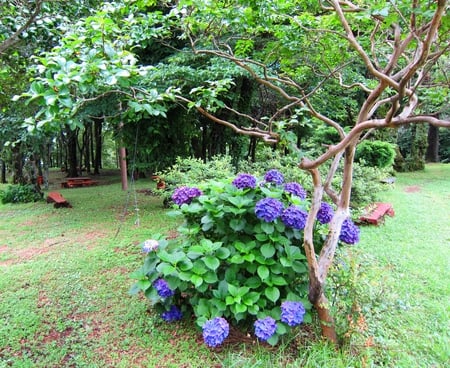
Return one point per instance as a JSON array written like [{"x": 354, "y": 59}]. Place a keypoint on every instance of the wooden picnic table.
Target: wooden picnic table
[{"x": 80, "y": 181}]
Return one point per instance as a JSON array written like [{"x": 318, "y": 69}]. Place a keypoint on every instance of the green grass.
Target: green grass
[{"x": 65, "y": 277}]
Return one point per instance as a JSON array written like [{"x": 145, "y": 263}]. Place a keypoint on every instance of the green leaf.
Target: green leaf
[
  {"x": 185, "y": 264},
  {"x": 251, "y": 298},
  {"x": 263, "y": 272},
  {"x": 199, "y": 267},
  {"x": 237, "y": 259},
  {"x": 249, "y": 257},
  {"x": 166, "y": 268},
  {"x": 196, "y": 280},
  {"x": 233, "y": 290},
  {"x": 278, "y": 280},
  {"x": 273, "y": 340},
  {"x": 143, "y": 284},
  {"x": 299, "y": 267},
  {"x": 195, "y": 251},
  {"x": 281, "y": 329},
  {"x": 272, "y": 293},
  {"x": 240, "y": 308},
  {"x": 238, "y": 224},
  {"x": 211, "y": 262},
  {"x": 244, "y": 247},
  {"x": 268, "y": 250},
  {"x": 222, "y": 253},
  {"x": 253, "y": 282},
  {"x": 267, "y": 227},
  {"x": 210, "y": 277}
]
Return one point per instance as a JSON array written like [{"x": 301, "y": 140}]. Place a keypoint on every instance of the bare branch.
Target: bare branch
[
  {"x": 15, "y": 36},
  {"x": 267, "y": 136}
]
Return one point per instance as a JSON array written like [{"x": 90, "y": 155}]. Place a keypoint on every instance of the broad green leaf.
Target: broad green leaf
[
  {"x": 143, "y": 284},
  {"x": 166, "y": 268},
  {"x": 211, "y": 262},
  {"x": 263, "y": 272},
  {"x": 196, "y": 280},
  {"x": 268, "y": 250},
  {"x": 272, "y": 293},
  {"x": 238, "y": 224},
  {"x": 267, "y": 227},
  {"x": 222, "y": 253},
  {"x": 253, "y": 282}
]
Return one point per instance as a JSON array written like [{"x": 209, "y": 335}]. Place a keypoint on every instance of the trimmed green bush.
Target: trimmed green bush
[{"x": 375, "y": 153}]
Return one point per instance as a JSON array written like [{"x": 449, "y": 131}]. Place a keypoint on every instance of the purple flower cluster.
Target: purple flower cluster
[
  {"x": 294, "y": 217},
  {"x": 295, "y": 189},
  {"x": 163, "y": 289},
  {"x": 349, "y": 232},
  {"x": 173, "y": 314},
  {"x": 265, "y": 328},
  {"x": 292, "y": 313},
  {"x": 185, "y": 194},
  {"x": 325, "y": 213},
  {"x": 268, "y": 209},
  {"x": 215, "y": 331},
  {"x": 274, "y": 176},
  {"x": 150, "y": 245},
  {"x": 243, "y": 181}
]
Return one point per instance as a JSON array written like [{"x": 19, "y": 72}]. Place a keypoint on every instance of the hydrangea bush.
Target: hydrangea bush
[{"x": 238, "y": 259}]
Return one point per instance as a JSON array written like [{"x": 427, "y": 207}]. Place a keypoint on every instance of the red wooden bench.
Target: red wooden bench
[
  {"x": 58, "y": 200},
  {"x": 375, "y": 213},
  {"x": 78, "y": 182}
]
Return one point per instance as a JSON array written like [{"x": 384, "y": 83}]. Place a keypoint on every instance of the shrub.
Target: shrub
[
  {"x": 238, "y": 258},
  {"x": 193, "y": 171},
  {"x": 20, "y": 194},
  {"x": 375, "y": 153}
]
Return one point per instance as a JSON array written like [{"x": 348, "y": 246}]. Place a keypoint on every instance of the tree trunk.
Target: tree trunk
[
  {"x": 72, "y": 169},
  {"x": 98, "y": 145},
  {"x": 3, "y": 172},
  {"x": 432, "y": 154},
  {"x": 17, "y": 159},
  {"x": 86, "y": 144}
]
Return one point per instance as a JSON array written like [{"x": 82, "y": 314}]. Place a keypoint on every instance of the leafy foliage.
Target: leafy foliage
[
  {"x": 20, "y": 194},
  {"x": 375, "y": 153}
]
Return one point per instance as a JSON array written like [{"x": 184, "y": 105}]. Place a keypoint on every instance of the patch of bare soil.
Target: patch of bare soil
[
  {"x": 88, "y": 240},
  {"x": 412, "y": 189}
]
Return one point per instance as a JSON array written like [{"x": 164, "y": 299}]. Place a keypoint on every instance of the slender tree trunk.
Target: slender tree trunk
[
  {"x": 98, "y": 145},
  {"x": 72, "y": 169},
  {"x": 432, "y": 154},
  {"x": 86, "y": 145},
  {"x": 3, "y": 172}
]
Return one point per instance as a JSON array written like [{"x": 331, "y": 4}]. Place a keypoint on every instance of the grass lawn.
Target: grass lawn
[{"x": 65, "y": 277}]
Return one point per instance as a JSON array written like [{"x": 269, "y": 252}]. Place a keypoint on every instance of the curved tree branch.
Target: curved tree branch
[{"x": 11, "y": 40}]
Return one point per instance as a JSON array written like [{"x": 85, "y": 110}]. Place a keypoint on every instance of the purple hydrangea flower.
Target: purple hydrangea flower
[
  {"x": 243, "y": 181},
  {"x": 349, "y": 232},
  {"x": 215, "y": 331},
  {"x": 185, "y": 194},
  {"x": 265, "y": 328},
  {"x": 295, "y": 189},
  {"x": 268, "y": 209},
  {"x": 325, "y": 213},
  {"x": 163, "y": 289},
  {"x": 292, "y": 313},
  {"x": 274, "y": 176},
  {"x": 173, "y": 314},
  {"x": 150, "y": 245},
  {"x": 294, "y": 217}
]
